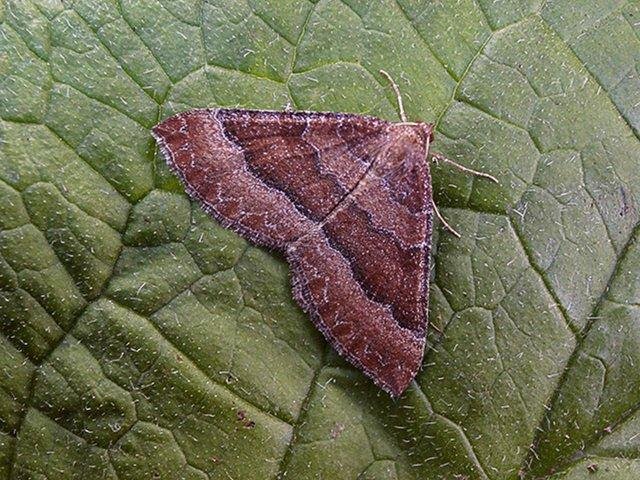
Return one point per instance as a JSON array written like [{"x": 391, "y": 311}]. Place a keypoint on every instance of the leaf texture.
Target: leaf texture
[{"x": 138, "y": 339}]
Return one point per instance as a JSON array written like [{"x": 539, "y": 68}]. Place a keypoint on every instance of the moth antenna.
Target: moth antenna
[
  {"x": 439, "y": 157},
  {"x": 444, "y": 222},
  {"x": 394, "y": 85}
]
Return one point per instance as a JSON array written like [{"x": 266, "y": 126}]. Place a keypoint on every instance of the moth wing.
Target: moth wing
[
  {"x": 364, "y": 276},
  {"x": 270, "y": 176},
  {"x": 346, "y": 197}
]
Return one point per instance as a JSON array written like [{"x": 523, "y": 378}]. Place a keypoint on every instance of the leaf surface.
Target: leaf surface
[{"x": 138, "y": 339}]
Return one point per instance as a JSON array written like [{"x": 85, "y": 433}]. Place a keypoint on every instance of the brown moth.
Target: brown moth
[{"x": 346, "y": 198}]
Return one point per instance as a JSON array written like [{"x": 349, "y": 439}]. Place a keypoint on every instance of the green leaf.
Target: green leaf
[{"x": 138, "y": 339}]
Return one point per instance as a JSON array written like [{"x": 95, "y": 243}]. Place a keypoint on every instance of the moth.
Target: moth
[{"x": 345, "y": 198}]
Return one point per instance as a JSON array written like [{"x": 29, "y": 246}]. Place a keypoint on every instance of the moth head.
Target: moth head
[
  {"x": 427, "y": 131},
  {"x": 406, "y": 150},
  {"x": 421, "y": 132}
]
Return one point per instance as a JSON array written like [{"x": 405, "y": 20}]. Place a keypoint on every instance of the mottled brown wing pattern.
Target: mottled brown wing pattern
[
  {"x": 347, "y": 198},
  {"x": 363, "y": 276},
  {"x": 311, "y": 158}
]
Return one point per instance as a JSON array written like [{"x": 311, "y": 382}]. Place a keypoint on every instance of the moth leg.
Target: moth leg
[
  {"x": 444, "y": 222},
  {"x": 438, "y": 157},
  {"x": 437, "y": 329},
  {"x": 394, "y": 85}
]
